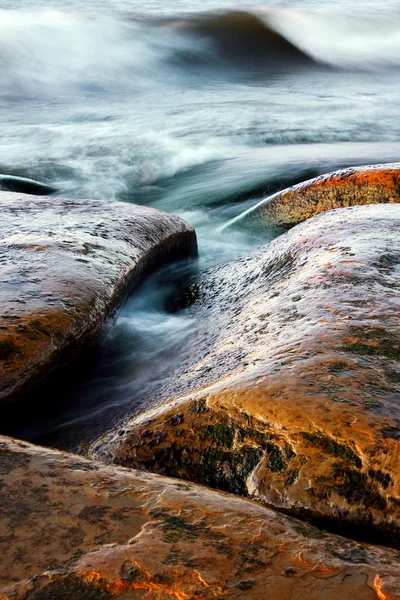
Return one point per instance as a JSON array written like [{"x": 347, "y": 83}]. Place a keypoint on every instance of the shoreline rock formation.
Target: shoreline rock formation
[
  {"x": 356, "y": 186},
  {"x": 288, "y": 394},
  {"x": 66, "y": 266},
  {"x": 74, "y": 529},
  {"x": 293, "y": 394}
]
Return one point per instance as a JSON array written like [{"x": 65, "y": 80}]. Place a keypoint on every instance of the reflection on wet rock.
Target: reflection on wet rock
[
  {"x": 74, "y": 529},
  {"x": 65, "y": 267},
  {"x": 378, "y": 184},
  {"x": 292, "y": 395}
]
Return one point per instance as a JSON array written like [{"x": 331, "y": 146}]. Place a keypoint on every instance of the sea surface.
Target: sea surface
[{"x": 197, "y": 108}]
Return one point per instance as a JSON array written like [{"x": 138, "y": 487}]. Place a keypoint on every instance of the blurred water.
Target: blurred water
[{"x": 198, "y": 110}]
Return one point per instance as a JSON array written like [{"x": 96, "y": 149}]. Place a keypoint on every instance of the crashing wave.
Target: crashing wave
[{"x": 58, "y": 49}]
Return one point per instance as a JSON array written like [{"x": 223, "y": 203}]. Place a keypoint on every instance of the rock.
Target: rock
[
  {"x": 11, "y": 183},
  {"x": 293, "y": 393},
  {"x": 65, "y": 266},
  {"x": 378, "y": 184},
  {"x": 73, "y": 529}
]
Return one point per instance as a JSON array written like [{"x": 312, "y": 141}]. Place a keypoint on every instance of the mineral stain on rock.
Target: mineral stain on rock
[
  {"x": 73, "y": 587},
  {"x": 378, "y": 184},
  {"x": 8, "y": 350},
  {"x": 332, "y": 447}
]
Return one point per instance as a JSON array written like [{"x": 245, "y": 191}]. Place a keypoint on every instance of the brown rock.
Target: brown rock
[
  {"x": 295, "y": 393},
  {"x": 72, "y": 529},
  {"x": 378, "y": 184},
  {"x": 65, "y": 266}
]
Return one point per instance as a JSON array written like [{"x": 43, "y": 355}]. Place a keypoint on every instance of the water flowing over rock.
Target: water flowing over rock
[
  {"x": 12, "y": 183},
  {"x": 293, "y": 396},
  {"x": 74, "y": 529},
  {"x": 378, "y": 184},
  {"x": 65, "y": 267}
]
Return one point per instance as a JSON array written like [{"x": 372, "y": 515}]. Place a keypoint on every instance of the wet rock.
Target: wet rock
[
  {"x": 12, "y": 183},
  {"x": 378, "y": 184},
  {"x": 72, "y": 529},
  {"x": 65, "y": 266},
  {"x": 293, "y": 396}
]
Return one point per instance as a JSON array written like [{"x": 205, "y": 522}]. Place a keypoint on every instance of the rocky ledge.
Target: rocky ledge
[
  {"x": 73, "y": 529},
  {"x": 292, "y": 396},
  {"x": 379, "y": 184},
  {"x": 65, "y": 266}
]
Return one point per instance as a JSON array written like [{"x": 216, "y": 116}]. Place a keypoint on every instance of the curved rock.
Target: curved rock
[
  {"x": 12, "y": 183},
  {"x": 65, "y": 266},
  {"x": 379, "y": 184},
  {"x": 295, "y": 385},
  {"x": 72, "y": 529}
]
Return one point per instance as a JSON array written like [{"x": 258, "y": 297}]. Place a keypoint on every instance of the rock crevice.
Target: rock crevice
[
  {"x": 294, "y": 399},
  {"x": 65, "y": 267}
]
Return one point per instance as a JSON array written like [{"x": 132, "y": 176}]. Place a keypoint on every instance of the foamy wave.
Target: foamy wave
[
  {"x": 361, "y": 39},
  {"x": 56, "y": 50}
]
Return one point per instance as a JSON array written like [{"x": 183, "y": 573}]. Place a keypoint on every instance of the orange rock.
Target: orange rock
[
  {"x": 294, "y": 389},
  {"x": 65, "y": 266},
  {"x": 378, "y": 184},
  {"x": 72, "y": 529}
]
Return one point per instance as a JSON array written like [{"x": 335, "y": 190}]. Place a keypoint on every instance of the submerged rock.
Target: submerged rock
[
  {"x": 294, "y": 392},
  {"x": 378, "y": 184},
  {"x": 12, "y": 183},
  {"x": 65, "y": 266},
  {"x": 73, "y": 529}
]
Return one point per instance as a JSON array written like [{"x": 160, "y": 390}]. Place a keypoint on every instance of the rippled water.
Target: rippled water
[{"x": 199, "y": 110}]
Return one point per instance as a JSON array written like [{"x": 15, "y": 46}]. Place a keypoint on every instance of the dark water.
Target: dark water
[{"x": 197, "y": 113}]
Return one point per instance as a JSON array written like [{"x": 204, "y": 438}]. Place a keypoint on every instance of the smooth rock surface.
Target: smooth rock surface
[
  {"x": 12, "y": 183},
  {"x": 294, "y": 394},
  {"x": 73, "y": 529},
  {"x": 65, "y": 266},
  {"x": 379, "y": 184}
]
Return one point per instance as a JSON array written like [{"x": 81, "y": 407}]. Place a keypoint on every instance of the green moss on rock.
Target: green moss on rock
[
  {"x": 223, "y": 435},
  {"x": 332, "y": 447},
  {"x": 357, "y": 488},
  {"x": 275, "y": 458}
]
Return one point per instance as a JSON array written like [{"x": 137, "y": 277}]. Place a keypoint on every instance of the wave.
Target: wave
[
  {"x": 243, "y": 36},
  {"x": 358, "y": 39},
  {"x": 362, "y": 38},
  {"x": 45, "y": 50}
]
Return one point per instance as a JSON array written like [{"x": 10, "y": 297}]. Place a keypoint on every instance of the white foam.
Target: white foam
[
  {"x": 56, "y": 51},
  {"x": 357, "y": 38}
]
